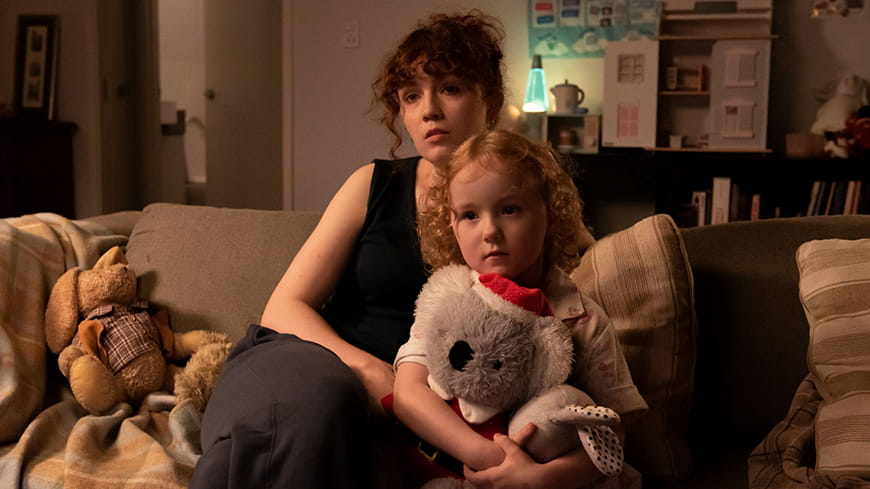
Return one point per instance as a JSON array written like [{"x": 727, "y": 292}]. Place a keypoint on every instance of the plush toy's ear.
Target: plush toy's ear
[
  {"x": 444, "y": 287},
  {"x": 827, "y": 90},
  {"x": 554, "y": 354},
  {"x": 111, "y": 257},
  {"x": 62, "y": 311}
]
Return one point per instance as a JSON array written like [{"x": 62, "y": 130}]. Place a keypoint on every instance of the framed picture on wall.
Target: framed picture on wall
[{"x": 36, "y": 66}]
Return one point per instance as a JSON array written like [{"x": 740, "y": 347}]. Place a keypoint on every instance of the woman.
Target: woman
[{"x": 302, "y": 409}]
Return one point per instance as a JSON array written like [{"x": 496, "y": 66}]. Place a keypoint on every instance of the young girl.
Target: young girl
[{"x": 504, "y": 205}]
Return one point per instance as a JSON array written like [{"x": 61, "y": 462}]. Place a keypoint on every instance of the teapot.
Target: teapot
[{"x": 568, "y": 97}]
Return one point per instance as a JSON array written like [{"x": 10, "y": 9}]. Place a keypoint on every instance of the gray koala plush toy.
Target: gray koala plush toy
[{"x": 495, "y": 347}]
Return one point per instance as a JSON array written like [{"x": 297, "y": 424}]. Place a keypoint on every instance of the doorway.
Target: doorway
[{"x": 221, "y": 63}]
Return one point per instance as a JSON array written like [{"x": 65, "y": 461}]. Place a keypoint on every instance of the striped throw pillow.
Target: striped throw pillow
[
  {"x": 642, "y": 279},
  {"x": 835, "y": 293}
]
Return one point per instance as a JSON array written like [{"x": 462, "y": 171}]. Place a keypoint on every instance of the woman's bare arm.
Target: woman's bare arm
[{"x": 314, "y": 274}]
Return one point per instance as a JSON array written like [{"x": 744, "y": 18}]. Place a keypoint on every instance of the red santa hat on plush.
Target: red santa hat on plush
[{"x": 509, "y": 298}]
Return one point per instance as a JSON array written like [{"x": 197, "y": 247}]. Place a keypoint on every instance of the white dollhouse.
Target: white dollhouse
[
  {"x": 702, "y": 85},
  {"x": 738, "y": 94},
  {"x": 630, "y": 85}
]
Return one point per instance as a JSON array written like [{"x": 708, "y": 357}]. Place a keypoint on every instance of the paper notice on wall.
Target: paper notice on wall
[
  {"x": 583, "y": 28},
  {"x": 571, "y": 13},
  {"x": 543, "y": 14},
  {"x": 607, "y": 13}
]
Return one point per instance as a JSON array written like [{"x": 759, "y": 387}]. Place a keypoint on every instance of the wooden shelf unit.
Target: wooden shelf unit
[
  {"x": 693, "y": 17},
  {"x": 709, "y": 150},
  {"x": 583, "y": 132},
  {"x": 716, "y": 38},
  {"x": 36, "y": 167},
  {"x": 683, "y": 92}
]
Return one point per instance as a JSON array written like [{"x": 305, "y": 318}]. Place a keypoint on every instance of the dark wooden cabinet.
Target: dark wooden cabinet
[{"x": 36, "y": 167}]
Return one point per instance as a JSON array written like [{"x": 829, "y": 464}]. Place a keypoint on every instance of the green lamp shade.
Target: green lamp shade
[{"x": 536, "y": 89}]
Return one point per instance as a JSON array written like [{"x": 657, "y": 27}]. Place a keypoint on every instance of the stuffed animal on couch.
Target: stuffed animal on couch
[
  {"x": 494, "y": 347},
  {"x": 112, "y": 349}
]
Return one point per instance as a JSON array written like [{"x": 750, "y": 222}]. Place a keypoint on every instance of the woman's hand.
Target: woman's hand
[{"x": 377, "y": 377}]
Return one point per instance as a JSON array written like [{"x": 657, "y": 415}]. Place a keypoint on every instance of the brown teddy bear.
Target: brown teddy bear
[{"x": 112, "y": 349}]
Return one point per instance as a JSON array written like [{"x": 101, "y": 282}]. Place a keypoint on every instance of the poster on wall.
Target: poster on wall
[{"x": 582, "y": 28}]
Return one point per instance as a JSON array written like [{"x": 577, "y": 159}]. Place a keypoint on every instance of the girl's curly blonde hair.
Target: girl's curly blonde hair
[{"x": 530, "y": 165}]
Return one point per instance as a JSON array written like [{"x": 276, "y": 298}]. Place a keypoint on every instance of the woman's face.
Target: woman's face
[{"x": 440, "y": 113}]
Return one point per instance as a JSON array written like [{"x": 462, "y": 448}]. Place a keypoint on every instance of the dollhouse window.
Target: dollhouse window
[
  {"x": 627, "y": 117},
  {"x": 740, "y": 63},
  {"x": 631, "y": 67},
  {"x": 737, "y": 119}
]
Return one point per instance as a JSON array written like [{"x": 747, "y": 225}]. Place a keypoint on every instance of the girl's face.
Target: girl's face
[
  {"x": 440, "y": 113},
  {"x": 500, "y": 226}
]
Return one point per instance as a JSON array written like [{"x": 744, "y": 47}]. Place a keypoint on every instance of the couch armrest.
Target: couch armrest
[{"x": 117, "y": 222}]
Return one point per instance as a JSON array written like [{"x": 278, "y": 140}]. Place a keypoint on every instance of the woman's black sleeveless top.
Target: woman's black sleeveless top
[{"x": 373, "y": 305}]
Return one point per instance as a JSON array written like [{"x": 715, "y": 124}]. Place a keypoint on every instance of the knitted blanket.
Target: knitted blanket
[
  {"x": 786, "y": 458},
  {"x": 46, "y": 439}
]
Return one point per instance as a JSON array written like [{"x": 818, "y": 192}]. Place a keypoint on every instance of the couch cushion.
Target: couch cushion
[
  {"x": 835, "y": 293},
  {"x": 214, "y": 268},
  {"x": 641, "y": 277}
]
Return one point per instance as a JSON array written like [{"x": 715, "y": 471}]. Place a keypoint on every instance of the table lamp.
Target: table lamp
[{"x": 536, "y": 88}]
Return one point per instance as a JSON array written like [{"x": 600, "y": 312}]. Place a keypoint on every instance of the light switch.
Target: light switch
[{"x": 350, "y": 34}]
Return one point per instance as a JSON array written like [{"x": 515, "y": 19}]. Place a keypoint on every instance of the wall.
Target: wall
[
  {"x": 77, "y": 91},
  {"x": 809, "y": 53},
  {"x": 333, "y": 132},
  {"x": 329, "y": 132},
  {"x": 334, "y": 135}
]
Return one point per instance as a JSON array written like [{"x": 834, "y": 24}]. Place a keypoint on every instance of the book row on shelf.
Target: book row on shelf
[
  {"x": 839, "y": 197},
  {"x": 725, "y": 201}
]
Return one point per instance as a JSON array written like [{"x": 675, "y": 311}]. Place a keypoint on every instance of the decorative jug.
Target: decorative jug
[{"x": 568, "y": 97}]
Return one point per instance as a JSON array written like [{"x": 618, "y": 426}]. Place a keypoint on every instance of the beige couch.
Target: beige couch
[{"x": 713, "y": 329}]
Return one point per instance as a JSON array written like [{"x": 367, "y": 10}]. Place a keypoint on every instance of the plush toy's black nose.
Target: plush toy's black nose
[{"x": 460, "y": 354}]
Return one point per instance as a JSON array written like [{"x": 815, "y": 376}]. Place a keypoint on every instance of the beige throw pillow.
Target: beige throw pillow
[
  {"x": 835, "y": 293},
  {"x": 641, "y": 277}
]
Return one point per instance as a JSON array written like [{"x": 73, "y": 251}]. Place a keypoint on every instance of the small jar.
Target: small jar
[{"x": 567, "y": 137}]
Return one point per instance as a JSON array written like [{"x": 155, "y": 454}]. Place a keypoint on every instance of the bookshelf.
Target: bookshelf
[{"x": 619, "y": 186}]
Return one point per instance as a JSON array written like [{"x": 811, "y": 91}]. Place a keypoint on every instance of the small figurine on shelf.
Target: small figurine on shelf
[{"x": 567, "y": 140}]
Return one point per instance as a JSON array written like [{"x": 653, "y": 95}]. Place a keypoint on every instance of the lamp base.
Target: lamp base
[{"x": 534, "y": 122}]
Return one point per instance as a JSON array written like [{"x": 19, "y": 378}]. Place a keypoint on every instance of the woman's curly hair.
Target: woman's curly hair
[
  {"x": 467, "y": 46},
  {"x": 531, "y": 166}
]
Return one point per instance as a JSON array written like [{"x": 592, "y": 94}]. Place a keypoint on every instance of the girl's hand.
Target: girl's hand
[{"x": 515, "y": 471}]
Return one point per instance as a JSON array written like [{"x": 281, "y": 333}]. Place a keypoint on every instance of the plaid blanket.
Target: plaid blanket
[
  {"x": 48, "y": 440},
  {"x": 786, "y": 458}
]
